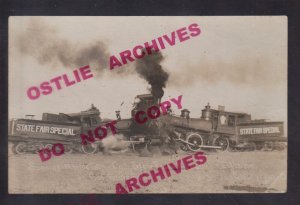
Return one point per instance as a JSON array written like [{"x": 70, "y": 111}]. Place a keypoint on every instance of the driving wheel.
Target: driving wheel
[
  {"x": 222, "y": 142},
  {"x": 20, "y": 148},
  {"x": 89, "y": 148},
  {"x": 194, "y": 140}
]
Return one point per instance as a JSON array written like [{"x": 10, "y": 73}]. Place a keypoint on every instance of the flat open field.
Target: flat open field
[{"x": 228, "y": 172}]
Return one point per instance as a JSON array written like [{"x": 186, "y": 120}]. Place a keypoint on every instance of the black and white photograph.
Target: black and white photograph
[{"x": 147, "y": 104}]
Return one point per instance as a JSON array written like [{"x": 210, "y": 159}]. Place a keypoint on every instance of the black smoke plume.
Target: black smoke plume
[
  {"x": 44, "y": 43},
  {"x": 150, "y": 69}
]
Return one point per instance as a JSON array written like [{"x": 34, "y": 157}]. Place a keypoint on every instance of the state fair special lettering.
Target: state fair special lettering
[
  {"x": 45, "y": 129},
  {"x": 259, "y": 130}
]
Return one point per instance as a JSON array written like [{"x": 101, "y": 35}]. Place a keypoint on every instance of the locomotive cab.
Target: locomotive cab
[{"x": 223, "y": 121}]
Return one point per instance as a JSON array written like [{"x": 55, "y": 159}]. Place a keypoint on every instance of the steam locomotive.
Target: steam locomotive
[{"x": 215, "y": 129}]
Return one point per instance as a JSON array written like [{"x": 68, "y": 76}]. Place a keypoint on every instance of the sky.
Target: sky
[{"x": 239, "y": 62}]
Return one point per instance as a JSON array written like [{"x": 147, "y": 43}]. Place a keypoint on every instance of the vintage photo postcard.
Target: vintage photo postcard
[{"x": 129, "y": 105}]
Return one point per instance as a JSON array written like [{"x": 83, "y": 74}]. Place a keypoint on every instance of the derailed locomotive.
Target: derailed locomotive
[{"x": 215, "y": 129}]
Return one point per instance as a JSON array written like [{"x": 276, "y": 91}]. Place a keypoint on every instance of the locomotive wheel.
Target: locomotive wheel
[
  {"x": 259, "y": 145},
  {"x": 196, "y": 140},
  {"x": 20, "y": 148},
  {"x": 48, "y": 146},
  {"x": 268, "y": 146},
  {"x": 68, "y": 148},
  {"x": 38, "y": 147},
  {"x": 90, "y": 148},
  {"x": 279, "y": 146},
  {"x": 223, "y": 142},
  {"x": 182, "y": 145}
]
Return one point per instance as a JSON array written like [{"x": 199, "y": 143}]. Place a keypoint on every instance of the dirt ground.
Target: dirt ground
[{"x": 227, "y": 172}]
